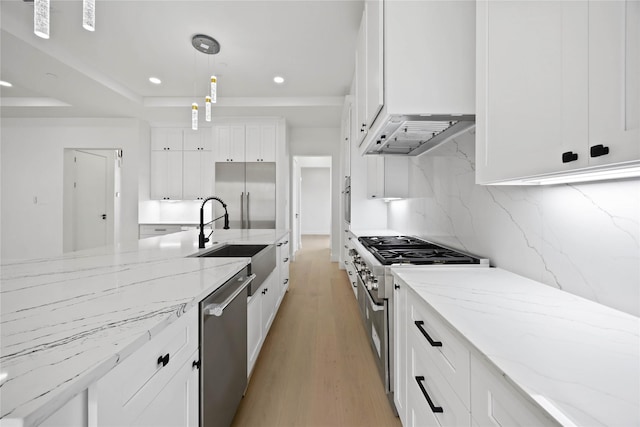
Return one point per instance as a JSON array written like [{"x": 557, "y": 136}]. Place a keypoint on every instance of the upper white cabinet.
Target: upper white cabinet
[
  {"x": 197, "y": 165},
  {"x": 419, "y": 59},
  {"x": 250, "y": 142},
  {"x": 181, "y": 164},
  {"x": 387, "y": 177},
  {"x": 260, "y": 143},
  {"x": 166, "y": 164},
  {"x": 229, "y": 143},
  {"x": 557, "y": 87}
]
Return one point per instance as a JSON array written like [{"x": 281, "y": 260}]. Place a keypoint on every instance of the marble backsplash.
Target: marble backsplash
[{"x": 582, "y": 238}]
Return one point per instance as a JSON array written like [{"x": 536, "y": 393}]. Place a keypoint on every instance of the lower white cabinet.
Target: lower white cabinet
[
  {"x": 158, "y": 385},
  {"x": 283, "y": 259},
  {"x": 494, "y": 402},
  {"x": 439, "y": 380}
]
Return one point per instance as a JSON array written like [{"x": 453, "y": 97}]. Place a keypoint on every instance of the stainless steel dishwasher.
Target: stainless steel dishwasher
[{"x": 223, "y": 351}]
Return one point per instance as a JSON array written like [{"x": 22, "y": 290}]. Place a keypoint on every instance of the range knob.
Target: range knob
[
  {"x": 374, "y": 284},
  {"x": 353, "y": 253}
]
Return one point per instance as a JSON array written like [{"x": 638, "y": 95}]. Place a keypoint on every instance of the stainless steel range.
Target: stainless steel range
[{"x": 372, "y": 256}]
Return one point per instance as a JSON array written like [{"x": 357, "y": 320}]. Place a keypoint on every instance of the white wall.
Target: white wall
[
  {"x": 322, "y": 142},
  {"x": 582, "y": 238},
  {"x": 316, "y": 200},
  {"x": 32, "y": 167}
]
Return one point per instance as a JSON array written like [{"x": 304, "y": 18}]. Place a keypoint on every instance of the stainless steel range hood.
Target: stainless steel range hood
[{"x": 411, "y": 135}]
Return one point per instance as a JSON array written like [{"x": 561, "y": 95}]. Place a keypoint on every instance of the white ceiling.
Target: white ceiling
[{"x": 77, "y": 73}]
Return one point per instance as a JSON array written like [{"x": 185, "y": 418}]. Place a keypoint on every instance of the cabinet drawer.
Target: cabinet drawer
[
  {"x": 494, "y": 402},
  {"x": 420, "y": 413},
  {"x": 124, "y": 392},
  {"x": 158, "y": 230},
  {"x": 448, "y": 353}
]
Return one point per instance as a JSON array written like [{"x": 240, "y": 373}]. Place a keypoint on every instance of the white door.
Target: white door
[{"x": 90, "y": 200}]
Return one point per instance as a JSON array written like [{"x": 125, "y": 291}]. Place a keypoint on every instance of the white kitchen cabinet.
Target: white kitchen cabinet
[
  {"x": 260, "y": 143},
  {"x": 73, "y": 414},
  {"x": 229, "y": 143},
  {"x": 555, "y": 81},
  {"x": 494, "y": 402},
  {"x": 374, "y": 17},
  {"x": 166, "y": 139},
  {"x": 399, "y": 351},
  {"x": 166, "y": 175},
  {"x": 153, "y": 230},
  {"x": 197, "y": 157},
  {"x": 387, "y": 177},
  {"x": 283, "y": 255},
  {"x": 269, "y": 295},
  {"x": 361, "y": 81},
  {"x": 155, "y": 386}
]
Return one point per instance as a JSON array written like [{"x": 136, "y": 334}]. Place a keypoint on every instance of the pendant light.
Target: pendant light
[
  {"x": 207, "y": 108},
  {"x": 214, "y": 89},
  {"x": 194, "y": 116},
  {"x": 41, "y": 18},
  {"x": 89, "y": 15}
]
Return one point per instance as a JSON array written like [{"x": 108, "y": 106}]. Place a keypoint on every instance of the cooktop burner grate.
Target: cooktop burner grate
[{"x": 390, "y": 250}]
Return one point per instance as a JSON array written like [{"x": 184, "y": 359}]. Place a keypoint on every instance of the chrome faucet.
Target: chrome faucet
[{"x": 201, "y": 239}]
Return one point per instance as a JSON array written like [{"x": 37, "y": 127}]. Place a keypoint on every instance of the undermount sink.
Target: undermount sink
[
  {"x": 263, "y": 259},
  {"x": 234, "y": 251}
]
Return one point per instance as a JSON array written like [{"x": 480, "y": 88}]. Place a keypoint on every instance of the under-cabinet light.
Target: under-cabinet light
[{"x": 573, "y": 177}]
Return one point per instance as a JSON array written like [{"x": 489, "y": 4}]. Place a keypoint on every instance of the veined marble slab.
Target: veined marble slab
[
  {"x": 576, "y": 359},
  {"x": 66, "y": 321}
]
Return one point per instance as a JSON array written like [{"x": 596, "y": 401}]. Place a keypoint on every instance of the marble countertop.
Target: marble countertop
[
  {"x": 577, "y": 359},
  {"x": 67, "y": 320}
]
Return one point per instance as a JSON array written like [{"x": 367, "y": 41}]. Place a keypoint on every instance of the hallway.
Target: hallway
[{"x": 316, "y": 367}]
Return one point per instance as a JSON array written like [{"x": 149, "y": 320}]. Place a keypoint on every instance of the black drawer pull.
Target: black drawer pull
[
  {"x": 285, "y": 281},
  {"x": 196, "y": 364},
  {"x": 569, "y": 156},
  {"x": 286, "y": 259},
  {"x": 163, "y": 360},
  {"x": 433, "y": 343},
  {"x": 396, "y": 286},
  {"x": 599, "y": 150},
  {"x": 434, "y": 408}
]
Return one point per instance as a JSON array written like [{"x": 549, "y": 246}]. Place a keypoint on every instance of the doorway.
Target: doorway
[
  {"x": 311, "y": 197},
  {"x": 91, "y": 189}
]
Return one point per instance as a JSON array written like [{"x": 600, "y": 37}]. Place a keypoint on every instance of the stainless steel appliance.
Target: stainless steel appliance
[
  {"x": 347, "y": 199},
  {"x": 372, "y": 256},
  {"x": 249, "y": 190},
  {"x": 223, "y": 351}
]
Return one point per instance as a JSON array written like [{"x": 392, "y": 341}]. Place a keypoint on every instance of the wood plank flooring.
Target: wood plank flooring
[{"x": 316, "y": 367}]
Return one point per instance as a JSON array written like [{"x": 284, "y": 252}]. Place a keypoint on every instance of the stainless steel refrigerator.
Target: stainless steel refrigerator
[{"x": 249, "y": 190}]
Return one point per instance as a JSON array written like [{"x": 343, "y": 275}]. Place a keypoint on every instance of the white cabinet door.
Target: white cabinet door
[
  {"x": 387, "y": 177},
  {"x": 197, "y": 175},
  {"x": 532, "y": 100},
  {"x": 374, "y": 13},
  {"x": 254, "y": 330},
  {"x": 177, "y": 403},
  {"x": 229, "y": 143},
  {"x": 614, "y": 80},
  {"x": 283, "y": 266},
  {"x": 260, "y": 143},
  {"x": 496, "y": 403},
  {"x": 269, "y": 295},
  {"x": 361, "y": 81},
  {"x": 400, "y": 351},
  {"x": 197, "y": 140},
  {"x": 166, "y": 175},
  {"x": 166, "y": 139}
]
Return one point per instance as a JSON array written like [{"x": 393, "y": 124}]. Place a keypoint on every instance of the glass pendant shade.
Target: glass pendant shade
[
  {"x": 214, "y": 88},
  {"x": 194, "y": 116},
  {"x": 89, "y": 15},
  {"x": 41, "y": 18},
  {"x": 207, "y": 109}
]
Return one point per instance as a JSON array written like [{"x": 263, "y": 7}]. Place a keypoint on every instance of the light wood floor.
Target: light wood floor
[{"x": 316, "y": 367}]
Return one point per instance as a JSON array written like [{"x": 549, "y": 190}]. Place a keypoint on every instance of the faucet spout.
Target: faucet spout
[{"x": 201, "y": 238}]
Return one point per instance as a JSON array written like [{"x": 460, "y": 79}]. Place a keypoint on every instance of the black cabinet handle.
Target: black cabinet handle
[
  {"x": 569, "y": 156},
  {"x": 396, "y": 286},
  {"x": 434, "y": 408},
  {"x": 433, "y": 343},
  {"x": 599, "y": 150},
  {"x": 279, "y": 244},
  {"x": 196, "y": 364},
  {"x": 285, "y": 281},
  {"x": 286, "y": 259},
  {"x": 164, "y": 360}
]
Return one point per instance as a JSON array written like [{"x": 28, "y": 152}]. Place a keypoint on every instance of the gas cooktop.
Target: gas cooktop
[{"x": 411, "y": 250}]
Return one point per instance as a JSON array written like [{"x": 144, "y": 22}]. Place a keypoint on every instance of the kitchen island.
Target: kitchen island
[{"x": 68, "y": 320}]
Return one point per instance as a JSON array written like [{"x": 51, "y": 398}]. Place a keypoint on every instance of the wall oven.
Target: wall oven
[{"x": 372, "y": 257}]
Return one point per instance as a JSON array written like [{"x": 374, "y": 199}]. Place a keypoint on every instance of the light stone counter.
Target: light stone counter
[
  {"x": 67, "y": 320},
  {"x": 578, "y": 360}
]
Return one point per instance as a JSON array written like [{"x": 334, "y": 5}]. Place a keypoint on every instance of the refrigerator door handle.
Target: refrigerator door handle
[
  {"x": 242, "y": 210},
  {"x": 248, "y": 223}
]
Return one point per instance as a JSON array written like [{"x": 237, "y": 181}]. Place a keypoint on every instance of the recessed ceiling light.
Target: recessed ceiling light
[
  {"x": 278, "y": 79},
  {"x": 5, "y": 84},
  {"x": 155, "y": 80}
]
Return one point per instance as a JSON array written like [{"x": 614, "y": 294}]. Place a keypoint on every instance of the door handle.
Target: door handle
[{"x": 104, "y": 216}]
